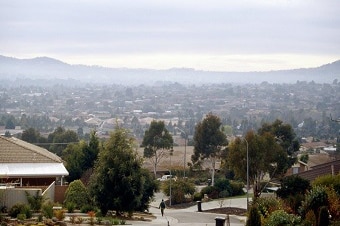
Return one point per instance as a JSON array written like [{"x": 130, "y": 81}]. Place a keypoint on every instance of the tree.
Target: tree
[
  {"x": 73, "y": 154},
  {"x": 209, "y": 141},
  {"x": 30, "y": 135},
  {"x": 284, "y": 135},
  {"x": 8, "y": 134},
  {"x": 91, "y": 151},
  {"x": 61, "y": 138},
  {"x": 157, "y": 143},
  {"x": 265, "y": 155},
  {"x": 80, "y": 157},
  {"x": 119, "y": 183},
  {"x": 10, "y": 123}
]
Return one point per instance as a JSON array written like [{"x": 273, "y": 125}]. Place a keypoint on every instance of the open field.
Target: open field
[{"x": 177, "y": 159}]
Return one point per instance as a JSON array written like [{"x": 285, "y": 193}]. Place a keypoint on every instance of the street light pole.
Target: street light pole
[
  {"x": 185, "y": 150},
  {"x": 247, "y": 174},
  {"x": 170, "y": 179}
]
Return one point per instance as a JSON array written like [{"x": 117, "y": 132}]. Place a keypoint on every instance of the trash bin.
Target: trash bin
[
  {"x": 199, "y": 206},
  {"x": 220, "y": 221}
]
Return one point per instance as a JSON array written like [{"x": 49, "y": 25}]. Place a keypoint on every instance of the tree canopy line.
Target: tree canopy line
[{"x": 119, "y": 182}]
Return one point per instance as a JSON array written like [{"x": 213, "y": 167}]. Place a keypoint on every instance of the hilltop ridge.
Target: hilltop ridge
[{"x": 46, "y": 68}]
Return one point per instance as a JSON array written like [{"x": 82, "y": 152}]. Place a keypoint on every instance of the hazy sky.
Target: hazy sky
[{"x": 238, "y": 35}]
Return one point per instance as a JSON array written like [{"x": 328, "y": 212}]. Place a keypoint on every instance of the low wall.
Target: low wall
[{"x": 12, "y": 196}]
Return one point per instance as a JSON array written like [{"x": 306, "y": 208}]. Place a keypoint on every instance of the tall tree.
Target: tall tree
[
  {"x": 60, "y": 139},
  {"x": 209, "y": 141},
  {"x": 285, "y": 137},
  {"x": 81, "y": 156},
  {"x": 119, "y": 183},
  {"x": 31, "y": 136},
  {"x": 157, "y": 143},
  {"x": 265, "y": 155},
  {"x": 91, "y": 151},
  {"x": 74, "y": 156}
]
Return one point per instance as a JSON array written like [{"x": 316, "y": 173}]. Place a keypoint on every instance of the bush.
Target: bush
[
  {"x": 223, "y": 184},
  {"x": 310, "y": 219},
  {"x": 268, "y": 205},
  {"x": 20, "y": 208},
  {"x": 211, "y": 191},
  {"x": 224, "y": 194},
  {"x": 35, "y": 201},
  {"x": 77, "y": 193},
  {"x": 70, "y": 206},
  {"x": 179, "y": 190},
  {"x": 313, "y": 200},
  {"x": 198, "y": 196},
  {"x": 87, "y": 208},
  {"x": 280, "y": 217},
  {"x": 292, "y": 186},
  {"x": 47, "y": 210},
  {"x": 59, "y": 214},
  {"x": 254, "y": 218},
  {"x": 236, "y": 188},
  {"x": 330, "y": 181},
  {"x": 333, "y": 203}
]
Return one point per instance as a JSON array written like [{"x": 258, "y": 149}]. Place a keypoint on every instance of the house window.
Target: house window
[{"x": 295, "y": 170}]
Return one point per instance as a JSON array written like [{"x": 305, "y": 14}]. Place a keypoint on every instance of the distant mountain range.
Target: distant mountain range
[{"x": 44, "y": 70}]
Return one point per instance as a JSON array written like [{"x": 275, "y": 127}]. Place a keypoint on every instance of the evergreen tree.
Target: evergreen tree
[
  {"x": 209, "y": 141},
  {"x": 118, "y": 182}
]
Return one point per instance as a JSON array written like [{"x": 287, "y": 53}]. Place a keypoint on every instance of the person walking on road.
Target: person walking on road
[{"x": 162, "y": 207}]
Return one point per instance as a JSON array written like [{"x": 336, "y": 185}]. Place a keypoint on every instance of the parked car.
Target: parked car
[{"x": 166, "y": 177}]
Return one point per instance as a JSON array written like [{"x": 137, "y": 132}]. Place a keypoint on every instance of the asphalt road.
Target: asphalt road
[{"x": 190, "y": 216}]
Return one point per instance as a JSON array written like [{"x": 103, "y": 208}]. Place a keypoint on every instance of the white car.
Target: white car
[{"x": 164, "y": 178}]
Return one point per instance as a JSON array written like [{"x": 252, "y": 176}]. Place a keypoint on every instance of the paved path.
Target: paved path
[{"x": 190, "y": 216}]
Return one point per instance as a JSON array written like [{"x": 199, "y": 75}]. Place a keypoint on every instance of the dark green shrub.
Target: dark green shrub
[
  {"x": 223, "y": 184},
  {"x": 70, "y": 206},
  {"x": 323, "y": 216},
  {"x": 254, "y": 218},
  {"x": 35, "y": 201},
  {"x": 77, "y": 193},
  {"x": 236, "y": 188},
  {"x": 21, "y": 216},
  {"x": 20, "y": 208},
  {"x": 87, "y": 208},
  {"x": 211, "y": 191},
  {"x": 224, "y": 194},
  {"x": 292, "y": 185},
  {"x": 180, "y": 190},
  {"x": 198, "y": 196}
]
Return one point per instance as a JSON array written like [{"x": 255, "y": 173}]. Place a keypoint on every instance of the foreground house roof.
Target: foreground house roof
[
  {"x": 13, "y": 150},
  {"x": 21, "y": 159}
]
